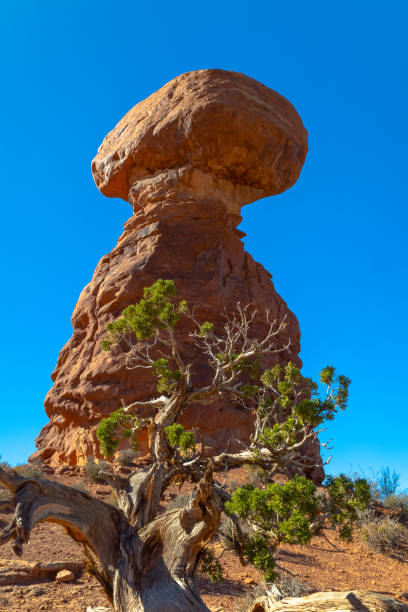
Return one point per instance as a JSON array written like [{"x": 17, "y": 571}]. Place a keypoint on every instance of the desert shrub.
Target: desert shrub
[
  {"x": 398, "y": 502},
  {"x": 211, "y": 566},
  {"x": 384, "y": 483},
  {"x": 227, "y": 534},
  {"x": 265, "y": 590},
  {"x": 233, "y": 485},
  {"x": 4, "y": 494},
  {"x": 178, "y": 437},
  {"x": 258, "y": 590},
  {"x": 367, "y": 515},
  {"x": 5, "y": 465},
  {"x": 385, "y": 535},
  {"x": 126, "y": 457},
  {"x": 92, "y": 469},
  {"x": 29, "y": 471},
  {"x": 177, "y": 502},
  {"x": 255, "y": 475},
  {"x": 292, "y": 586},
  {"x": 388, "y": 483}
]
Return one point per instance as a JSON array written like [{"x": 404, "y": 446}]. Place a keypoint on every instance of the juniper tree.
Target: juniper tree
[{"x": 147, "y": 560}]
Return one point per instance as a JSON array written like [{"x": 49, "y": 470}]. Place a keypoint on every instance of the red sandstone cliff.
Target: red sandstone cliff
[{"x": 187, "y": 158}]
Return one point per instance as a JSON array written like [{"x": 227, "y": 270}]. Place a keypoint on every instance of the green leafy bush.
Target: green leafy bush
[
  {"x": 291, "y": 513},
  {"x": 258, "y": 552},
  {"x": 211, "y": 566},
  {"x": 283, "y": 510},
  {"x": 167, "y": 378},
  {"x": 154, "y": 311},
  {"x": 347, "y": 497},
  {"x": 119, "y": 424},
  {"x": 178, "y": 437}
]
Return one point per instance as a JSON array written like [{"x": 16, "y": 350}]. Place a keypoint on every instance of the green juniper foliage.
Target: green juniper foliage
[
  {"x": 346, "y": 497},
  {"x": 258, "y": 552},
  {"x": 288, "y": 409},
  {"x": 211, "y": 566},
  {"x": 154, "y": 311},
  {"x": 294, "y": 402},
  {"x": 167, "y": 379},
  {"x": 293, "y": 512},
  {"x": 116, "y": 426},
  {"x": 178, "y": 437}
]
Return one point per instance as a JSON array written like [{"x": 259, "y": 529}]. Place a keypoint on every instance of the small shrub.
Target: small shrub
[
  {"x": 29, "y": 471},
  {"x": 385, "y": 535},
  {"x": 126, "y": 457},
  {"x": 211, "y": 566},
  {"x": 4, "y": 495},
  {"x": 255, "y": 475},
  {"x": 399, "y": 503},
  {"x": 292, "y": 586},
  {"x": 233, "y": 485},
  {"x": 383, "y": 483},
  {"x": 177, "y": 502},
  {"x": 227, "y": 534},
  {"x": 178, "y": 437},
  {"x": 258, "y": 590},
  {"x": 388, "y": 484},
  {"x": 365, "y": 516},
  {"x": 5, "y": 465},
  {"x": 92, "y": 469}
]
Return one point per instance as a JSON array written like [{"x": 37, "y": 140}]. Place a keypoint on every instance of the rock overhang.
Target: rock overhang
[{"x": 217, "y": 134}]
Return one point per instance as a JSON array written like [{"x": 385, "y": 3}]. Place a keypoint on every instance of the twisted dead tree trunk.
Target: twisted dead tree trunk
[
  {"x": 147, "y": 560},
  {"x": 143, "y": 569}
]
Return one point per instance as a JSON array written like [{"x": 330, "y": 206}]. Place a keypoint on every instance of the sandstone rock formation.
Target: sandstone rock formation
[{"x": 187, "y": 159}]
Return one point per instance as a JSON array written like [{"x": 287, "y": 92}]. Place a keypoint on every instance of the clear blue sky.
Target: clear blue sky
[{"x": 335, "y": 243}]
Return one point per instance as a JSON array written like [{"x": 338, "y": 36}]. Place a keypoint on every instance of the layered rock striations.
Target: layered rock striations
[{"x": 187, "y": 159}]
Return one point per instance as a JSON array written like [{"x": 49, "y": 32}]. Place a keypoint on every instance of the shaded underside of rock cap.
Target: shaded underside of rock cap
[{"x": 219, "y": 124}]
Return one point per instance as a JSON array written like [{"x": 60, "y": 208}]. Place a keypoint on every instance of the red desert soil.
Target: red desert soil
[{"x": 322, "y": 564}]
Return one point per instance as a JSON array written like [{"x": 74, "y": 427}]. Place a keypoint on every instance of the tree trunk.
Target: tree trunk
[{"x": 147, "y": 566}]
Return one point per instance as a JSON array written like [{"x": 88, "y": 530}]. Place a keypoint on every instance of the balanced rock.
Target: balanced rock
[{"x": 187, "y": 159}]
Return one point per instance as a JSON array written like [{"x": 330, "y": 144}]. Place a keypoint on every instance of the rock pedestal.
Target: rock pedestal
[{"x": 187, "y": 159}]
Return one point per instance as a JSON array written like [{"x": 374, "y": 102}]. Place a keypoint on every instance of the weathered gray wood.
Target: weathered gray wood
[
  {"x": 144, "y": 570},
  {"x": 331, "y": 601},
  {"x": 85, "y": 518}
]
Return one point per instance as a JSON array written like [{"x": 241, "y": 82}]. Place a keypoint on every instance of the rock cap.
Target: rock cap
[{"x": 216, "y": 134}]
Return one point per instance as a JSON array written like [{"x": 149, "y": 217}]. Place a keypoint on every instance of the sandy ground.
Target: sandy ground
[{"x": 324, "y": 564}]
